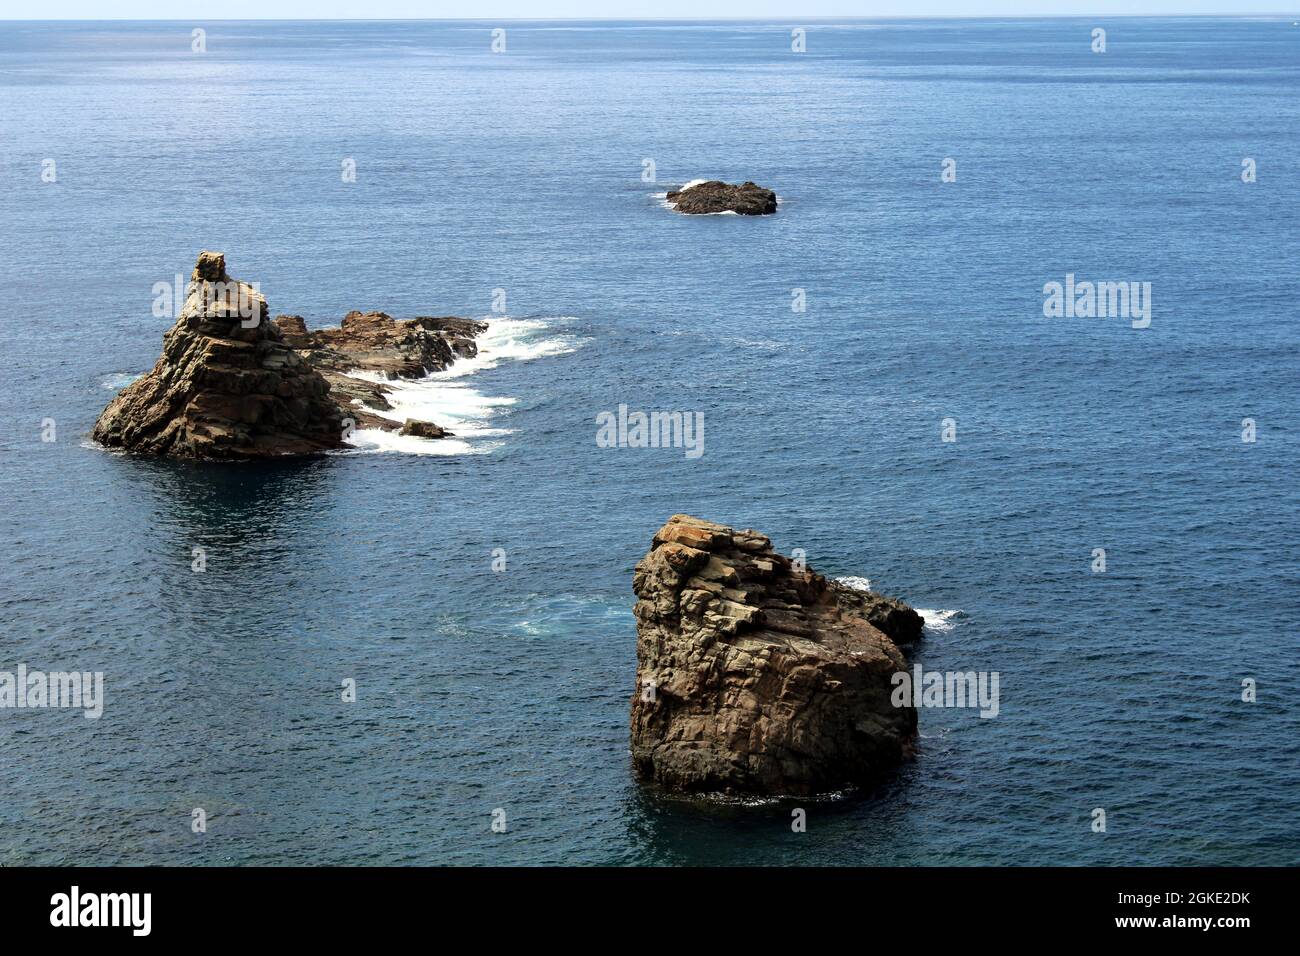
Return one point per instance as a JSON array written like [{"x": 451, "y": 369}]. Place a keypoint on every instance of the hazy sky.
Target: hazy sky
[{"x": 584, "y": 9}]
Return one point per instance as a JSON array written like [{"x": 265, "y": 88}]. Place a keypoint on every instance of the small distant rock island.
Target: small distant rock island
[
  {"x": 714, "y": 196},
  {"x": 758, "y": 677},
  {"x": 231, "y": 385}
]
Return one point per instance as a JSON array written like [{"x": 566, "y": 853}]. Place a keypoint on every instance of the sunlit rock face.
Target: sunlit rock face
[
  {"x": 755, "y": 676},
  {"x": 226, "y": 385}
]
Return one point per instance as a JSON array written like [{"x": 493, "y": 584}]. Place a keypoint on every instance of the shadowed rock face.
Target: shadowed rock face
[
  {"x": 747, "y": 199},
  {"x": 221, "y": 390},
  {"x": 754, "y": 677},
  {"x": 900, "y": 623}
]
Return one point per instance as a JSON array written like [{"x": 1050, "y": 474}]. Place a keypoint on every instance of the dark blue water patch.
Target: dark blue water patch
[{"x": 480, "y": 690}]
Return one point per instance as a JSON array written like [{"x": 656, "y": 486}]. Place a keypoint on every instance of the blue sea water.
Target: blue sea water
[{"x": 522, "y": 171}]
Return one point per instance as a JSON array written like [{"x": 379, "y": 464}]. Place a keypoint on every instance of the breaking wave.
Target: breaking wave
[
  {"x": 119, "y": 381},
  {"x": 473, "y": 417},
  {"x": 855, "y": 583},
  {"x": 940, "y": 620},
  {"x": 935, "y": 620}
]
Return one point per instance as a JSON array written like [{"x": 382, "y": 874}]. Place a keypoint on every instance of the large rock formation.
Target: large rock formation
[
  {"x": 747, "y": 199},
  {"x": 226, "y": 385},
  {"x": 231, "y": 384},
  {"x": 756, "y": 677}
]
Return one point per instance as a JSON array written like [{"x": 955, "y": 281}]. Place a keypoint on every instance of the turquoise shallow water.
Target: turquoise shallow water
[{"x": 522, "y": 171}]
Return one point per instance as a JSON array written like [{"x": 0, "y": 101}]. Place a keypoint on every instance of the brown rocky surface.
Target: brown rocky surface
[
  {"x": 900, "y": 623},
  {"x": 226, "y": 385},
  {"x": 376, "y": 342},
  {"x": 747, "y": 199},
  {"x": 231, "y": 384},
  {"x": 420, "y": 429},
  {"x": 755, "y": 677},
  {"x": 390, "y": 348}
]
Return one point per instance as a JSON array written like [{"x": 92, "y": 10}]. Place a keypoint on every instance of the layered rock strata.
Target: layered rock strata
[
  {"x": 226, "y": 386},
  {"x": 755, "y": 676}
]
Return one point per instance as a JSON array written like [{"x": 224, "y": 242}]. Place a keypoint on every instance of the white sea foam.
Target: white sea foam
[
  {"x": 935, "y": 620},
  {"x": 672, "y": 207},
  {"x": 751, "y": 800},
  {"x": 119, "y": 381},
  {"x": 474, "y": 418},
  {"x": 939, "y": 620},
  {"x": 855, "y": 583}
]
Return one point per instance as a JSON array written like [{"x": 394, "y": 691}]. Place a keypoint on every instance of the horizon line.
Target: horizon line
[{"x": 768, "y": 19}]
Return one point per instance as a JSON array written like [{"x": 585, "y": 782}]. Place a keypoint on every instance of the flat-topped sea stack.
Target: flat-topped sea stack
[
  {"x": 233, "y": 385},
  {"x": 756, "y": 676},
  {"x": 715, "y": 196},
  {"x": 226, "y": 385}
]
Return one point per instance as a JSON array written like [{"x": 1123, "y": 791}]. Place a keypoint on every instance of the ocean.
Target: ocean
[{"x": 478, "y": 593}]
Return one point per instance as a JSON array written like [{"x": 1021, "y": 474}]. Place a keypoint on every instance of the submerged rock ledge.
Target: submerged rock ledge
[
  {"x": 755, "y": 676},
  {"x": 714, "y": 196},
  {"x": 232, "y": 385}
]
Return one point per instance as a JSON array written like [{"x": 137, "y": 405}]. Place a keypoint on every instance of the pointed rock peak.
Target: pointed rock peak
[
  {"x": 211, "y": 267},
  {"x": 226, "y": 386},
  {"x": 214, "y": 296}
]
